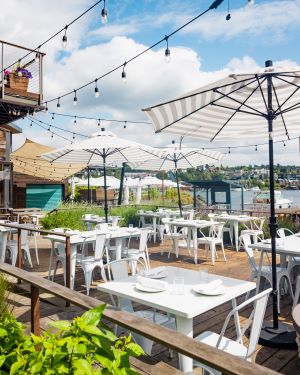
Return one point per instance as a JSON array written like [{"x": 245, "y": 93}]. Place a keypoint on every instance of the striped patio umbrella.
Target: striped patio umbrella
[{"x": 263, "y": 105}]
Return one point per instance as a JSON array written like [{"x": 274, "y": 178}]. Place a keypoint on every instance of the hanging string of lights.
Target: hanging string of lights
[
  {"x": 101, "y": 119},
  {"x": 53, "y": 133},
  {"x": 122, "y": 66},
  {"x": 63, "y": 30},
  {"x": 36, "y": 162}
]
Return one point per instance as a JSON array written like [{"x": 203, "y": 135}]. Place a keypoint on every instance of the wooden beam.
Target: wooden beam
[{"x": 35, "y": 310}]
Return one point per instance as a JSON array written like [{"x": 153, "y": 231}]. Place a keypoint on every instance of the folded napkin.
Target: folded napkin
[
  {"x": 154, "y": 272},
  {"x": 150, "y": 283},
  {"x": 208, "y": 287}
]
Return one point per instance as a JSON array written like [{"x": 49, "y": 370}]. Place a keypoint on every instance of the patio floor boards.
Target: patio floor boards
[{"x": 52, "y": 308}]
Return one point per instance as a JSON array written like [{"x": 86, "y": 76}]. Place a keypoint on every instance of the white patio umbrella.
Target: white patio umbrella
[
  {"x": 126, "y": 194},
  {"x": 176, "y": 156},
  {"x": 111, "y": 181},
  {"x": 264, "y": 105},
  {"x": 102, "y": 149}
]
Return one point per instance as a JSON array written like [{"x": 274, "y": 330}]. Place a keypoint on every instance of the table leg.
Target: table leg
[
  {"x": 236, "y": 321},
  {"x": 259, "y": 271},
  {"x": 119, "y": 242},
  {"x": 236, "y": 234},
  {"x": 73, "y": 255},
  {"x": 51, "y": 259},
  {"x": 185, "y": 326},
  {"x": 189, "y": 239},
  {"x": 195, "y": 243},
  {"x": 3, "y": 246},
  {"x": 154, "y": 228}
]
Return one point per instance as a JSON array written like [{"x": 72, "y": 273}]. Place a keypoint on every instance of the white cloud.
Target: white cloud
[{"x": 271, "y": 18}]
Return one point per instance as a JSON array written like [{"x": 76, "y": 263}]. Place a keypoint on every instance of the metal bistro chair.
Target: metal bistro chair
[
  {"x": 118, "y": 272},
  {"x": 256, "y": 232},
  {"x": 215, "y": 238},
  {"x": 236, "y": 347},
  {"x": 12, "y": 247},
  {"x": 178, "y": 237},
  {"x": 266, "y": 271},
  {"x": 292, "y": 261},
  {"x": 140, "y": 254}
]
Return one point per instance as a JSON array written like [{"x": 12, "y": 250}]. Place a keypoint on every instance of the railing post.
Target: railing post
[
  {"x": 35, "y": 310},
  {"x": 68, "y": 265},
  {"x": 2, "y": 70},
  {"x": 19, "y": 258}
]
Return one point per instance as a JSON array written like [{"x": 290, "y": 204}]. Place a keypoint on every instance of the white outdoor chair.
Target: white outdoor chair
[
  {"x": 178, "y": 237},
  {"x": 89, "y": 263},
  {"x": 140, "y": 254},
  {"x": 297, "y": 292},
  {"x": 266, "y": 271},
  {"x": 35, "y": 234},
  {"x": 191, "y": 214},
  {"x": 292, "y": 261},
  {"x": 226, "y": 229},
  {"x": 236, "y": 347},
  {"x": 12, "y": 247},
  {"x": 256, "y": 232},
  {"x": 114, "y": 220},
  {"x": 215, "y": 238},
  {"x": 118, "y": 271},
  {"x": 88, "y": 217}
]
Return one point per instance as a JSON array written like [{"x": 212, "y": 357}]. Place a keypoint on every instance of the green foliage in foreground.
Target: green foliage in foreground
[
  {"x": 82, "y": 347},
  {"x": 69, "y": 215}
]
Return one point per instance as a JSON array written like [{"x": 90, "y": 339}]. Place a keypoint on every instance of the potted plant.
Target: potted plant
[{"x": 18, "y": 78}]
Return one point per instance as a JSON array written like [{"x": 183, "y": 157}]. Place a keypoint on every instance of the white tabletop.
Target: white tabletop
[
  {"x": 289, "y": 245},
  {"x": 231, "y": 217},
  {"x": 188, "y": 305},
  {"x": 190, "y": 223}
]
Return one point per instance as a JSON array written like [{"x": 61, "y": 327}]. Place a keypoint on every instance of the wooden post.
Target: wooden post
[
  {"x": 35, "y": 310},
  {"x": 68, "y": 265}
]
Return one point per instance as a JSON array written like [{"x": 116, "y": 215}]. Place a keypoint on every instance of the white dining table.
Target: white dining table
[
  {"x": 234, "y": 221},
  {"x": 287, "y": 246},
  {"x": 184, "y": 306},
  {"x": 79, "y": 238},
  {"x": 192, "y": 228}
]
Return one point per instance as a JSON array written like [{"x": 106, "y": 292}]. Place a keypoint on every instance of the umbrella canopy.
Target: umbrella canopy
[
  {"x": 111, "y": 182},
  {"x": 177, "y": 156},
  {"x": 102, "y": 149},
  {"x": 264, "y": 104},
  {"x": 150, "y": 181}
]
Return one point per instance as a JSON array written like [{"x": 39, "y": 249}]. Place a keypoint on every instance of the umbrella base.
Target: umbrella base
[{"x": 284, "y": 337}]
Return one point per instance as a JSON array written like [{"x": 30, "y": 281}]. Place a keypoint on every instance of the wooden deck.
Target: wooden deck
[{"x": 52, "y": 308}]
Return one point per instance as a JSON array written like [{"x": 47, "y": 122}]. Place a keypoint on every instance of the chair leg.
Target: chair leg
[
  {"x": 213, "y": 251},
  {"x": 297, "y": 292},
  {"x": 223, "y": 251},
  {"x": 55, "y": 269},
  {"x": 88, "y": 280},
  {"x": 36, "y": 248}
]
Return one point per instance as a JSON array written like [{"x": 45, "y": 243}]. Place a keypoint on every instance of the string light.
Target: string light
[
  {"x": 215, "y": 4},
  {"x": 229, "y": 151},
  {"x": 58, "y": 103},
  {"x": 96, "y": 89},
  {"x": 250, "y": 3},
  {"x": 124, "y": 73},
  {"x": 75, "y": 98},
  {"x": 31, "y": 123},
  {"x": 104, "y": 14},
  {"x": 284, "y": 143},
  {"x": 37, "y": 55},
  {"x": 167, "y": 51},
  {"x": 52, "y": 135},
  {"x": 125, "y": 124},
  {"x": 52, "y": 116},
  {"x": 255, "y": 147},
  {"x": 46, "y": 109},
  {"x": 228, "y": 14},
  {"x": 49, "y": 128},
  {"x": 73, "y": 136},
  {"x": 75, "y": 120},
  {"x": 99, "y": 123},
  {"x": 64, "y": 38}
]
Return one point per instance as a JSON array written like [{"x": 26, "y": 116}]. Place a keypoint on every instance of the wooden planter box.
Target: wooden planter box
[{"x": 16, "y": 82}]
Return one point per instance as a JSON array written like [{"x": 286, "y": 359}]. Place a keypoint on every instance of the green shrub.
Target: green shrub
[{"x": 82, "y": 347}]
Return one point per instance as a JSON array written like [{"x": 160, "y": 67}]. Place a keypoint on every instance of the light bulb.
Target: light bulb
[
  {"x": 64, "y": 41},
  {"x": 37, "y": 57},
  {"x": 75, "y": 100},
  {"x": 250, "y": 3},
  {"x": 58, "y": 104},
  {"x": 124, "y": 76},
  {"x": 97, "y": 93},
  {"x": 104, "y": 16},
  {"x": 167, "y": 55},
  {"x": 5, "y": 80}
]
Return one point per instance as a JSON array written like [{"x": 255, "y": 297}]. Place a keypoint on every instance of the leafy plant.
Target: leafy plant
[{"x": 82, "y": 347}]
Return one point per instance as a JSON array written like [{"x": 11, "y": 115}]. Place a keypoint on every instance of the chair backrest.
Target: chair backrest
[
  {"x": 216, "y": 230},
  {"x": 166, "y": 221},
  {"x": 191, "y": 214},
  {"x": 87, "y": 216},
  {"x": 103, "y": 227},
  {"x": 255, "y": 320},
  {"x": 24, "y": 237},
  {"x": 143, "y": 240},
  {"x": 283, "y": 232},
  {"x": 211, "y": 216},
  {"x": 99, "y": 246},
  {"x": 114, "y": 221},
  {"x": 246, "y": 240},
  {"x": 261, "y": 223}
]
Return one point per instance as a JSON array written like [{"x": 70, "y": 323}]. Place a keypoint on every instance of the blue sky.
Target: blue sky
[{"x": 205, "y": 51}]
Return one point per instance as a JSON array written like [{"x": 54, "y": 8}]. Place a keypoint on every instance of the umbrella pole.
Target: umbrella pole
[
  {"x": 178, "y": 190},
  {"x": 274, "y": 334},
  {"x": 121, "y": 184},
  {"x": 105, "y": 189}
]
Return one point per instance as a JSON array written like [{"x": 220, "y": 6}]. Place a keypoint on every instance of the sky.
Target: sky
[{"x": 207, "y": 50}]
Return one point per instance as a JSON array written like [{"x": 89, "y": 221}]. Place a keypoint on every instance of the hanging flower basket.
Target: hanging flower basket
[{"x": 16, "y": 82}]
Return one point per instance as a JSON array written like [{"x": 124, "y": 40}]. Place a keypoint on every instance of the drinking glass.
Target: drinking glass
[
  {"x": 178, "y": 285},
  {"x": 131, "y": 226}
]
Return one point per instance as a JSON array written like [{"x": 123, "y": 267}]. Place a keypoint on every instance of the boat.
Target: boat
[
  {"x": 263, "y": 197},
  {"x": 291, "y": 187}
]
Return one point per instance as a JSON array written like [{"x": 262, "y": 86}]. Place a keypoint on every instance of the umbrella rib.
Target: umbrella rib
[
  {"x": 238, "y": 110},
  {"x": 195, "y": 94},
  {"x": 199, "y": 108},
  {"x": 242, "y": 103},
  {"x": 60, "y": 156},
  {"x": 286, "y": 131},
  {"x": 288, "y": 98},
  {"x": 292, "y": 107},
  {"x": 261, "y": 91},
  {"x": 188, "y": 161},
  {"x": 234, "y": 113}
]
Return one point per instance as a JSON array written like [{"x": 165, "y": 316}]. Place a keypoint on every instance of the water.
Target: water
[{"x": 293, "y": 195}]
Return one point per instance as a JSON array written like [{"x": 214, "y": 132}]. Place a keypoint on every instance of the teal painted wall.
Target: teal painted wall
[{"x": 46, "y": 197}]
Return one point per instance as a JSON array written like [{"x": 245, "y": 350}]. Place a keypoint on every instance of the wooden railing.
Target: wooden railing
[{"x": 210, "y": 356}]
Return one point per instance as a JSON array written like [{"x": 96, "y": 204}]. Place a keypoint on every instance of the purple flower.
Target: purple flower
[
  {"x": 24, "y": 72},
  {"x": 7, "y": 72}
]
